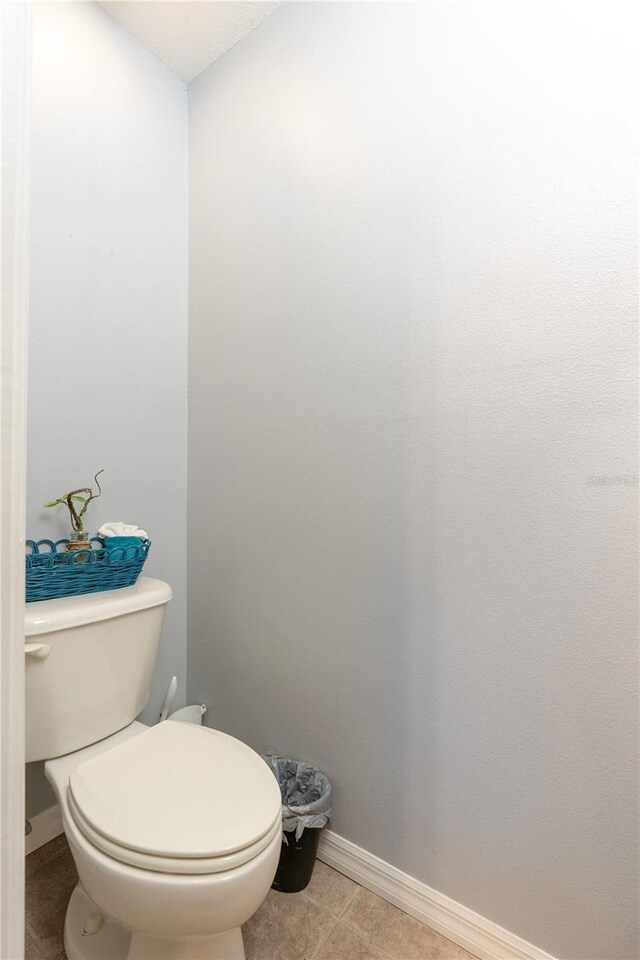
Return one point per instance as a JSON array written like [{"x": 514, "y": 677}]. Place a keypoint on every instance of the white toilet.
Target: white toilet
[{"x": 175, "y": 829}]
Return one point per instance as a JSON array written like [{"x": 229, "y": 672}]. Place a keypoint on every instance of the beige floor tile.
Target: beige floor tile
[
  {"x": 288, "y": 926},
  {"x": 329, "y": 889},
  {"x": 48, "y": 889},
  {"x": 44, "y": 854},
  {"x": 343, "y": 944},
  {"x": 397, "y": 934},
  {"x": 31, "y": 952}
]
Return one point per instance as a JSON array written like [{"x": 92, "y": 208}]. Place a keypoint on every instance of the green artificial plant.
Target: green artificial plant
[{"x": 82, "y": 497}]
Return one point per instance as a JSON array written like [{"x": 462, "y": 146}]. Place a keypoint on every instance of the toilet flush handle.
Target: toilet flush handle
[{"x": 37, "y": 650}]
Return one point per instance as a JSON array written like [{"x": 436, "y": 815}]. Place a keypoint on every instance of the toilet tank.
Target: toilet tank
[{"x": 89, "y": 664}]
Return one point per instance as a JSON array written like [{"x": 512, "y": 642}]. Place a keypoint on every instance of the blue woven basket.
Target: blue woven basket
[{"x": 52, "y": 571}]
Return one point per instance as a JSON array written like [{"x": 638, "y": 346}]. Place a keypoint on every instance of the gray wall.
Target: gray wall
[
  {"x": 108, "y": 313},
  {"x": 412, "y": 343}
]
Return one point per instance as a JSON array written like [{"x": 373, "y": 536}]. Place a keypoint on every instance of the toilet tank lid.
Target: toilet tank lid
[{"x": 49, "y": 616}]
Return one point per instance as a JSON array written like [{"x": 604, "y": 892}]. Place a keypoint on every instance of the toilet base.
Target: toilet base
[
  {"x": 224, "y": 946},
  {"x": 112, "y": 941}
]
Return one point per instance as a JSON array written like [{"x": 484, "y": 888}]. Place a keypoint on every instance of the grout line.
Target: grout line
[
  {"x": 332, "y": 913},
  {"x": 358, "y": 933},
  {"x": 355, "y": 893},
  {"x": 335, "y": 917},
  {"x": 29, "y": 929},
  {"x": 340, "y": 913},
  {"x": 321, "y": 942},
  {"x": 390, "y": 956},
  {"x": 382, "y": 954},
  {"x": 361, "y": 936},
  {"x": 370, "y": 943},
  {"x": 408, "y": 916},
  {"x": 37, "y": 942}
]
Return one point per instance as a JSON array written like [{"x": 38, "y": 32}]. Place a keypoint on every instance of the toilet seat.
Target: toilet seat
[
  {"x": 177, "y": 865},
  {"x": 178, "y": 798}
]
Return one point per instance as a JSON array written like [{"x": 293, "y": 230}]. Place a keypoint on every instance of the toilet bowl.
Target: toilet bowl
[{"x": 175, "y": 831}]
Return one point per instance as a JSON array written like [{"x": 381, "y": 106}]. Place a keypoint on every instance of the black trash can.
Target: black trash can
[
  {"x": 297, "y": 859},
  {"x": 306, "y": 808}
]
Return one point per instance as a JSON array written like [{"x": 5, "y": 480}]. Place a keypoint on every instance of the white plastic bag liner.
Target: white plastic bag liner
[
  {"x": 193, "y": 714},
  {"x": 306, "y": 794}
]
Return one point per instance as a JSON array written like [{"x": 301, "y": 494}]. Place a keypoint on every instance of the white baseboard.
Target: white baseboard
[
  {"x": 468, "y": 929},
  {"x": 44, "y": 827}
]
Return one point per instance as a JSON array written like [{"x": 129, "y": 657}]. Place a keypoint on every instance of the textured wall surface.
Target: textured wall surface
[
  {"x": 413, "y": 339},
  {"x": 108, "y": 339}
]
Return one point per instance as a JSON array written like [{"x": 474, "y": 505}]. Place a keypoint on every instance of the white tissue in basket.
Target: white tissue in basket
[{"x": 119, "y": 529}]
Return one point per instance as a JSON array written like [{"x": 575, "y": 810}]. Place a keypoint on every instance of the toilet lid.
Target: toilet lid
[{"x": 177, "y": 791}]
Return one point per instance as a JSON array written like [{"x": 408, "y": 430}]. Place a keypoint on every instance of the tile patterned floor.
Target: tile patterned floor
[{"x": 333, "y": 919}]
